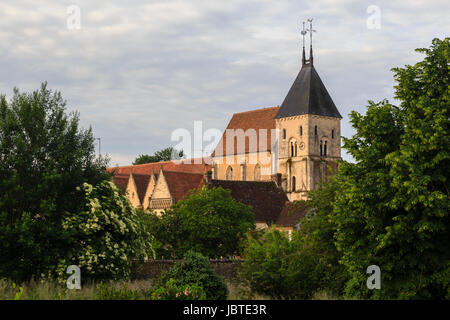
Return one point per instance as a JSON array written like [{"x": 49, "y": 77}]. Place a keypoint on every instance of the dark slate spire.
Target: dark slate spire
[{"x": 308, "y": 94}]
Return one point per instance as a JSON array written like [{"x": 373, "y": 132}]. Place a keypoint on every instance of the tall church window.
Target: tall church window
[
  {"x": 301, "y": 130},
  {"x": 321, "y": 148},
  {"x": 332, "y": 134},
  {"x": 325, "y": 149},
  {"x": 284, "y": 134},
  {"x": 292, "y": 149},
  {"x": 293, "y": 184},
  {"x": 257, "y": 172},
  {"x": 315, "y": 130},
  {"x": 229, "y": 175}
]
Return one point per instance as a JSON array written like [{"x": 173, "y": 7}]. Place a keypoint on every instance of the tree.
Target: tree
[
  {"x": 393, "y": 206},
  {"x": 208, "y": 221},
  {"x": 167, "y": 154},
  {"x": 296, "y": 268},
  {"x": 45, "y": 157}
]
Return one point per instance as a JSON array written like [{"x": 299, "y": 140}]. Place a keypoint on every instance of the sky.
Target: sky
[{"x": 138, "y": 70}]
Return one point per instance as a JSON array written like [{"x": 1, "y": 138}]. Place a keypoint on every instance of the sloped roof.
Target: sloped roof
[
  {"x": 188, "y": 165},
  {"x": 181, "y": 183},
  {"x": 141, "y": 181},
  {"x": 254, "y": 119},
  {"x": 308, "y": 95},
  {"x": 291, "y": 214},
  {"x": 121, "y": 181},
  {"x": 266, "y": 199}
]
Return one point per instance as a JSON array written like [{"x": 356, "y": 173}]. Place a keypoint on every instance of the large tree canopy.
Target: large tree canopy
[
  {"x": 45, "y": 158},
  {"x": 392, "y": 208}
]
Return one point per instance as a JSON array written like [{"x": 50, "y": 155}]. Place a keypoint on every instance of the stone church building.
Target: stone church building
[
  {"x": 301, "y": 139},
  {"x": 267, "y": 157}
]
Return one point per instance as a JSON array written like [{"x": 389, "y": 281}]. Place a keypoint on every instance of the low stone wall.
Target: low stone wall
[{"x": 152, "y": 269}]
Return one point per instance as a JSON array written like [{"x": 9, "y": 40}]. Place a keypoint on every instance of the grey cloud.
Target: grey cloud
[{"x": 139, "y": 69}]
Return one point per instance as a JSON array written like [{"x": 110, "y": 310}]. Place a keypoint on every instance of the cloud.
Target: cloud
[{"x": 137, "y": 70}]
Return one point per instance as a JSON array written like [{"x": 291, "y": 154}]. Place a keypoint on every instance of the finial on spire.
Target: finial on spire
[
  {"x": 303, "y": 35},
  {"x": 311, "y": 30}
]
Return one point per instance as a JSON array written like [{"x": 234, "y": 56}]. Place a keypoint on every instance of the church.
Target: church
[
  {"x": 296, "y": 145},
  {"x": 267, "y": 157}
]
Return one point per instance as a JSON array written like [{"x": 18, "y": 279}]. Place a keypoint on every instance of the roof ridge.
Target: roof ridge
[
  {"x": 175, "y": 171},
  {"x": 254, "y": 110}
]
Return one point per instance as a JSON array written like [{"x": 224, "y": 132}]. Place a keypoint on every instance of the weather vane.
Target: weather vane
[{"x": 304, "y": 32}]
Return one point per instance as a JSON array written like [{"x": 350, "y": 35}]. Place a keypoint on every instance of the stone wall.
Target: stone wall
[{"x": 151, "y": 269}]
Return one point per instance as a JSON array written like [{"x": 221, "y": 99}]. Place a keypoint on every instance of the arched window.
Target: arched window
[
  {"x": 257, "y": 172},
  {"x": 229, "y": 173},
  {"x": 321, "y": 148},
  {"x": 325, "y": 149},
  {"x": 293, "y": 184},
  {"x": 292, "y": 149},
  {"x": 284, "y": 134},
  {"x": 301, "y": 130},
  {"x": 315, "y": 130}
]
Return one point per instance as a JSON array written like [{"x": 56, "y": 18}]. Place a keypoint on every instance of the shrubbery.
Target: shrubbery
[
  {"x": 106, "y": 234},
  {"x": 195, "y": 270},
  {"x": 208, "y": 221}
]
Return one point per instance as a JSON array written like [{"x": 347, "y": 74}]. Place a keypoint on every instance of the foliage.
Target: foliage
[
  {"x": 208, "y": 221},
  {"x": 195, "y": 270},
  {"x": 172, "y": 291},
  {"x": 109, "y": 291},
  {"x": 167, "y": 154},
  {"x": 297, "y": 268},
  {"x": 280, "y": 268},
  {"x": 393, "y": 206},
  {"x": 106, "y": 233},
  {"x": 44, "y": 157}
]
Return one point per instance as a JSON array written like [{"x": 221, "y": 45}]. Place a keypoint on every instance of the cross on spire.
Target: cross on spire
[{"x": 310, "y": 30}]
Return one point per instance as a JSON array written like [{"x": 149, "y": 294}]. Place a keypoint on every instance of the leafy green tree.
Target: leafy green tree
[
  {"x": 162, "y": 155},
  {"x": 44, "y": 156},
  {"x": 106, "y": 234},
  {"x": 208, "y": 221},
  {"x": 46, "y": 221},
  {"x": 392, "y": 209},
  {"x": 194, "y": 270}
]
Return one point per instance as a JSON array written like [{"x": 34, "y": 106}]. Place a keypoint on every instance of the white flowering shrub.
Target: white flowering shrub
[{"x": 107, "y": 235}]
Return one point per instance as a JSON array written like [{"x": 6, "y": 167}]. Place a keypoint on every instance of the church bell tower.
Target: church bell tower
[{"x": 308, "y": 123}]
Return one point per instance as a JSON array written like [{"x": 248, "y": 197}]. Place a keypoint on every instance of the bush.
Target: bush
[
  {"x": 195, "y": 269},
  {"x": 107, "y": 235},
  {"x": 208, "y": 221},
  {"x": 281, "y": 268},
  {"x": 172, "y": 291}
]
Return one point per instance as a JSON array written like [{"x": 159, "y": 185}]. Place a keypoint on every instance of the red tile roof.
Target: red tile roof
[
  {"x": 292, "y": 213},
  {"x": 254, "y": 119},
  {"x": 181, "y": 183},
  {"x": 189, "y": 165},
  {"x": 121, "y": 181},
  {"x": 265, "y": 198},
  {"x": 141, "y": 181}
]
